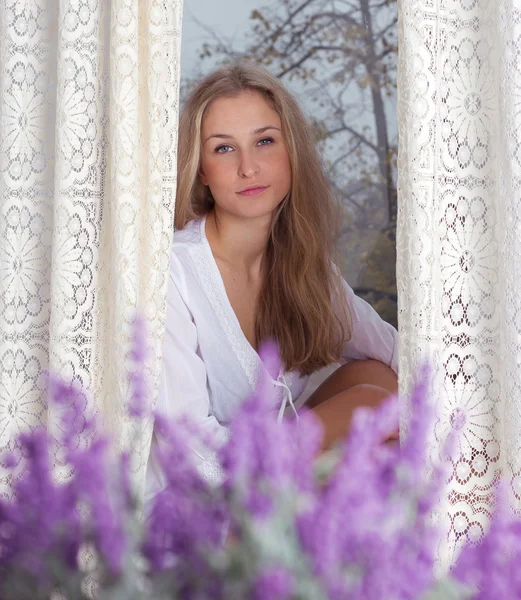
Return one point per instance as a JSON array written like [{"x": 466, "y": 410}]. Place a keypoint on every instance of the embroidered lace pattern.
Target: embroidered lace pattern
[
  {"x": 458, "y": 242},
  {"x": 88, "y": 106}
]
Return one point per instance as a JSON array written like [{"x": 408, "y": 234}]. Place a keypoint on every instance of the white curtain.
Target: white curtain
[
  {"x": 459, "y": 240},
  {"x": 88, "y": 131}
]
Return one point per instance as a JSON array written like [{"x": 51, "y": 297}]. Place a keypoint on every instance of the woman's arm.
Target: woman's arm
[
  {"x": 183, "y": 390},
  {"x": 371, "y": 336}
]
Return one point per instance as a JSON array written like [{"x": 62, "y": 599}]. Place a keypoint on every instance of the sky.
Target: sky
[{"x": 229, "y": 17}]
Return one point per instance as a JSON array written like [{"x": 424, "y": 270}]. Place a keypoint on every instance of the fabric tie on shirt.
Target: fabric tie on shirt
[{"x": 288, "y": 397}]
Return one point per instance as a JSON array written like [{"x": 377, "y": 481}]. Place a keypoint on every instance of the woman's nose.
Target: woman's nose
[{"x": 248, "y": 165}]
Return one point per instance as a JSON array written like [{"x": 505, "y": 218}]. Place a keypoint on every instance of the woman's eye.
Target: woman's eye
[
  {"x": 222, "y": 149},
  {"x": 266, "y": 141}
]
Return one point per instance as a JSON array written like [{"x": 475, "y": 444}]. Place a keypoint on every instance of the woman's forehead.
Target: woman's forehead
[{"x": 247, "y": 107}]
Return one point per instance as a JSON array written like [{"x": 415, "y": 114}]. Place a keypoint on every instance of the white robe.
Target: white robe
[{"x": 209, "y": 367}]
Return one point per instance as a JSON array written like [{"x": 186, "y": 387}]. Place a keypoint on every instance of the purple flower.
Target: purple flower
[
  {"x": 274, "y": 583},
  {"x": 48, "y": 521},
  {"x": 73, "y": 405},
  {"x": 491, "y": 568},
  {"x": 8, "y": 460},
  {"x": 28, "y": 534},
  {"x": 264, "y": 458},
  {"x": 365, "y": 532},
  {"x": 286, "y": 522},
  {"x": 187, "y": 518},
  {"x": 92, "y": 486},
  {"x": 138, "y": 355}
]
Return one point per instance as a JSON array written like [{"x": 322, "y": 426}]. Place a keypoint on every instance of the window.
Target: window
[{"x": 339, "y": 59}]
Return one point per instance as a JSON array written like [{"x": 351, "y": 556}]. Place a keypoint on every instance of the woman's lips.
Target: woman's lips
[{"x": 255, "y": 191}]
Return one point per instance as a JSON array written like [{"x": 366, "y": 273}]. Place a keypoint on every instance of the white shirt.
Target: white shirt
[{"x": 209, "y": 367}]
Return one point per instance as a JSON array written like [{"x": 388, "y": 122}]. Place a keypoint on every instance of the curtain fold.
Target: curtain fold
[
  {"x": 88, "y": 131},
  {"x": 458, "y": 242}
]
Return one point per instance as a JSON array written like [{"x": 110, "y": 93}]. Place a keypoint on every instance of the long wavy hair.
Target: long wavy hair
[{"x": 302, "y": 303}]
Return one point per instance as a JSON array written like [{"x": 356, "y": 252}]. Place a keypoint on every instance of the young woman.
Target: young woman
[{"x": 251, "y": 261}]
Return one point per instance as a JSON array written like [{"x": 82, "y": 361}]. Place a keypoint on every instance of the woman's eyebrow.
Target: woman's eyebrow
[
  {"x": 224, "y": 136},
  {"x": 263, "y": 129}
]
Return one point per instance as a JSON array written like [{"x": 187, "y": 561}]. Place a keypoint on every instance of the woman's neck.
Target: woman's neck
[{"x": 241, "y": 243}]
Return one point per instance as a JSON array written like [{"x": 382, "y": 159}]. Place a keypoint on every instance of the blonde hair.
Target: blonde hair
[{"x": 302, "y": 304}]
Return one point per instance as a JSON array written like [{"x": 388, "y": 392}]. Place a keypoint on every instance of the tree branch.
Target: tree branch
[{"x": 354, "y": 133}]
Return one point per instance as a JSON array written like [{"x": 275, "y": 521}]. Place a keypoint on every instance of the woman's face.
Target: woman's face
[{"x": 244, "y": 159}]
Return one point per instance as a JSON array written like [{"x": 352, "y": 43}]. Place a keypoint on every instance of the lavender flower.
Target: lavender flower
[
  {"x": 274, "y": 583},
  {"x": 27, "y": 533},
  {"x": 286, "y": 523},
  {"x": 364, "y": 532},
  {"x": 136, "y": 376},
  {"x": 187, "y": 520},
  {"x": 263, "y": 457},
  {"x": 44, "y": 526},
  {"x": 490, "y": 569},
  {"x": 75, "y": 424}
]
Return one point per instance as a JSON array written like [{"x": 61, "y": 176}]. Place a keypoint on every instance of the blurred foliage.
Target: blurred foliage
[{"x": 366, "y": 255}]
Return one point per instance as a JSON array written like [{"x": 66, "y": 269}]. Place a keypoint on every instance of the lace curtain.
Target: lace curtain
[
  {"x": 88, "y": 131},
  {"x": 459, "y": 240}
]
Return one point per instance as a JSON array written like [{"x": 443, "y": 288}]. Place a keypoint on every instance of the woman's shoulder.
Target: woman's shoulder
[
  {"x": 187, "y": 246},
  {"x": 190, "y": 235}
]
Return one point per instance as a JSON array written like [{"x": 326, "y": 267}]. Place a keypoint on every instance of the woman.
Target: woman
[{"x": 251, "y": 261}]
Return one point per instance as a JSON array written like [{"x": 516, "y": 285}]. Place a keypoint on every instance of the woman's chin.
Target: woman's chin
[{"x": 250, "y": 209}]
